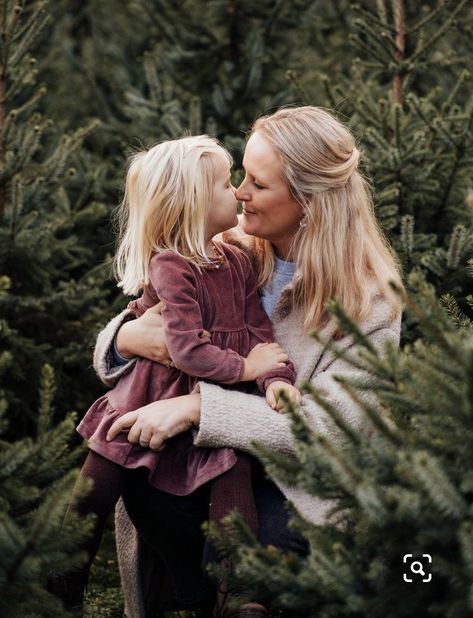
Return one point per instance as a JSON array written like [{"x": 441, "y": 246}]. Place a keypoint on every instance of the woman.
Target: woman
[{"x": 308, "y": 223}]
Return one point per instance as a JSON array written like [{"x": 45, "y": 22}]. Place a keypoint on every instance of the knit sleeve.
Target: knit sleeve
[
  {"x": 104, "y": 363},
  {"x": 253, "y": 421},
  {"x": 190, "y": 349}
]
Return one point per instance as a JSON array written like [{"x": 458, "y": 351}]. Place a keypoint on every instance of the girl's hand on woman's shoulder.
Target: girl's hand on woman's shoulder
[{"x": 153, "y": 424}]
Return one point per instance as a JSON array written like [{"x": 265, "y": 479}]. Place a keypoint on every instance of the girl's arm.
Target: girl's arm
[
  {"x": 251, "y": 420},
  {"x": 190, "y": 348},
  {"x": 261, "y": 330}
]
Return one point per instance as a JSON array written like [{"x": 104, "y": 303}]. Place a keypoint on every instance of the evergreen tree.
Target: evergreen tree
[
  {"x": 51, "y": 298},
  {"x": 406, "y": 95},
  {"x": 35, "y": 486},
  {"x": 396, "y": 71},
  {"x": 50, "y": 303},
  {"x": 197, "y": 67},
  {"x": 401, "y": 487}
]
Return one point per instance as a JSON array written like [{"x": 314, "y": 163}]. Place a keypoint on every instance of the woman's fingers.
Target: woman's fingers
[
  {"x": 134, "y": 434},
  {"x": 121, "y": 424},
  {"x": 145, "y": 438},
  {"x": 157, "y": 442}
]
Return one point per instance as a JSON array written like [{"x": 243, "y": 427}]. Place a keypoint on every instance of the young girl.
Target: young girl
[{"x": 178, "y": 196}]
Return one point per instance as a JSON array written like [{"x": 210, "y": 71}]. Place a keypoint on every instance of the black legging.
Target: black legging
[{"x": 171, "y": 526}]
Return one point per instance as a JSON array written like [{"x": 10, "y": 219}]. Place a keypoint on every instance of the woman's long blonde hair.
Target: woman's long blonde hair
[
  {"x": 168, "y": 190},
  {"x": 340, "y": 249}
]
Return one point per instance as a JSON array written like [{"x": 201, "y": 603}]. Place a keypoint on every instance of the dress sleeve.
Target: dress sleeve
[
  {"x": 260, "y": 329},
  {"x": 253, "y": 421},
  {"x": 191, "y": 351}
]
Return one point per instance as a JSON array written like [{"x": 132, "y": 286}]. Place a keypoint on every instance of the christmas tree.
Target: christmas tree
[
  {"x": 51, "y": 296},
  {"x": 50, "y": 303},
  {"x": 35, "y": 485},
  {"x": 406, "y": 96},
  {"x": 401, "y": 488},
  {"x": 124, "y": 75}
]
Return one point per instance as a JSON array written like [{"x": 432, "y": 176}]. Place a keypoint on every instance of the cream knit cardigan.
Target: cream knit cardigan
[{"x": 238, "y": 420}]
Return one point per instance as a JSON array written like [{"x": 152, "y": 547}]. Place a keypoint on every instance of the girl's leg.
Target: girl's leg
[
  {"x": 233, "y": 491},
  {"x": 273, "y": 519},
  {"x": 107, "y": 478}
]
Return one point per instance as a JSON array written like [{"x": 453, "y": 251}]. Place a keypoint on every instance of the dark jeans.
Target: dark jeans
[{"x": 171, "y": 526}]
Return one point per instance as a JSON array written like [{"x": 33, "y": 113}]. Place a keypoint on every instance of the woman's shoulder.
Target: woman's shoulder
[{"x": 382, "y": 316}]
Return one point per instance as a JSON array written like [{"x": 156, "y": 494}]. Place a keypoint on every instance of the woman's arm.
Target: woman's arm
[
  {"x": 156, "y": 422},
  {"x": 239, "y": 420},
  {"x": 143, "y": 336},
  {"x": 104, "y": 362}
]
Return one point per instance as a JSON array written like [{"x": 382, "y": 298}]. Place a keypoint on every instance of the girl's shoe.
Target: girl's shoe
[
  {"x": 70, "y": 589},
  {"x": 246, "y": 610}
]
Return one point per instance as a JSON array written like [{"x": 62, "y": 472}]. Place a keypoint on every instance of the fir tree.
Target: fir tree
[
  {"x": 51, "y": 298},
  {"x": 398, "y": 73},
  {"x": 50, "y": 302},
  {"x": 402, "y": 486},
  {"x": 35, "y": 486},
  {"x": 406, "y": 95}
]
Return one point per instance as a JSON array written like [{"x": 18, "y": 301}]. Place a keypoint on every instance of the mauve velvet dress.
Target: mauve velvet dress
[{"x": 222, "y": 300}]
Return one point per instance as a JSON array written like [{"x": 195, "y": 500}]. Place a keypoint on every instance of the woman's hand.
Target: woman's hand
[
  {"x": 151, "y": 425},
  {"x": 144, "y": 337}
]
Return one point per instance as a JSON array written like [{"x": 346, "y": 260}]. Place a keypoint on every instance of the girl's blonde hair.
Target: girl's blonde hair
[
  {"x": 168, "y": 190},
  {"x": 339, "y": 248}
]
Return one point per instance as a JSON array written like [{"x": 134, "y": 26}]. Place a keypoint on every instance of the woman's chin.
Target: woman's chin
[{"x": 247, "y": 225}]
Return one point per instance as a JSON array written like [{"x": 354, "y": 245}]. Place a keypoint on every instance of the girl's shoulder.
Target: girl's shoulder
[
  {"x": 170, "y": 265},
  {"x": 171, "y": 258}
]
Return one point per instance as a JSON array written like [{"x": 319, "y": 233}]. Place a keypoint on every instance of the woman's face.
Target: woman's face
[{"x": 269, "y": 210}]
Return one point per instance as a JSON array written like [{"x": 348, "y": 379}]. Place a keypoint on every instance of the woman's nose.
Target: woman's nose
[{"x": 242, "y": 193}]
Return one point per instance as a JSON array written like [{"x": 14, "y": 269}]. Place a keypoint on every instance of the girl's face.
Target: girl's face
[
  {"x": 269, "y": 210},
  {"x": 223, "y": 207}
]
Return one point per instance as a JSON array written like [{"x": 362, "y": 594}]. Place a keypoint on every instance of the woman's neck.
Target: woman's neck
[{"x": 284, "y": 250}]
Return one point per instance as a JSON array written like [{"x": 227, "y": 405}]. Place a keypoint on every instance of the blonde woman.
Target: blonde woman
[
  {"x": 178, "y": 196},
  {"x": 309, "y": 226}
]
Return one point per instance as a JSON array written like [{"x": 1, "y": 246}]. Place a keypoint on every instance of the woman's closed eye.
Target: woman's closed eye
[{"x": 257, "y": 185}]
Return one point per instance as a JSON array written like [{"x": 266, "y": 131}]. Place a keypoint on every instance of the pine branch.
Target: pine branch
[{"x": 423, "y": 51}]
